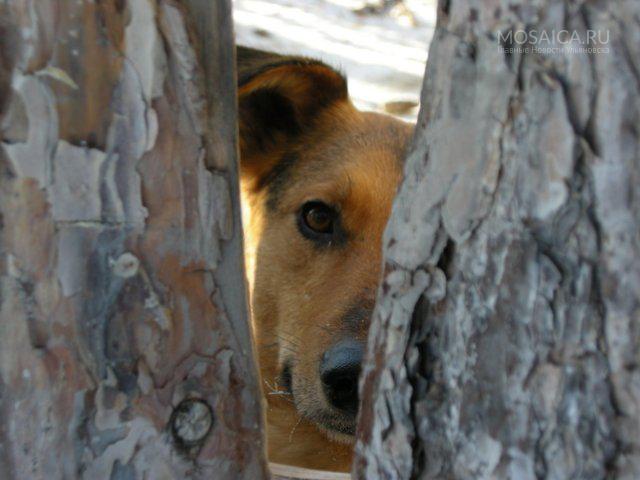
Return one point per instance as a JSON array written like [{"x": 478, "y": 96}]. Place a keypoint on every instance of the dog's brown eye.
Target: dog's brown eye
[
  {"x": 318, "y": 222},
  {"x": 318, "y": 217}
]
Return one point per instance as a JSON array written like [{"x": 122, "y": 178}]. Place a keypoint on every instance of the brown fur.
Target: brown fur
[{"x": 305, "y": 297}]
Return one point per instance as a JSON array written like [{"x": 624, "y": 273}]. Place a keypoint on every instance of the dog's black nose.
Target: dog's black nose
[{"x": 339, "y": 370}]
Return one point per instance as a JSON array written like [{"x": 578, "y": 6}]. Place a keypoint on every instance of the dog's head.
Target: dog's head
[{"x": 318, "y": 179}]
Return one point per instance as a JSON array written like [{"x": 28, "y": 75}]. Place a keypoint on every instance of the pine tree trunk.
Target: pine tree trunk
[
  {"x": 125, "y": 350},
  {"x": 506, "y": 337}
]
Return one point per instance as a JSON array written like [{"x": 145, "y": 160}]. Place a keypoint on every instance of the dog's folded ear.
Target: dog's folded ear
[{"x": 278, "y": 98}]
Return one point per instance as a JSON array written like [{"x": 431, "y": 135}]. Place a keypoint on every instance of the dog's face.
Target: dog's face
[{"x": 318, "y": 180}]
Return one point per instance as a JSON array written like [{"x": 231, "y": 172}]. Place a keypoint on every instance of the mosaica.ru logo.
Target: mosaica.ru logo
[{"x": 554, "y": 41}]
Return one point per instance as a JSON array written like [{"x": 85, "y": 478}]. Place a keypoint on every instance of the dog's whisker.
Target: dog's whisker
[
  {"x": 294, "y": 429},
  {"x": 271, "y": 387},
  {"x": 292, "y": 340},
  {"x": 274, "y": 387},
  {"x": 290, "y": 349},
  {"x": 275, "y": 390}
]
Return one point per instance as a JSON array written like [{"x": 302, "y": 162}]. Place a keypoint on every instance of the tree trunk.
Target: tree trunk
[
  {"x": 125, "y": 350},
  {"x": 506, "y": 337}
]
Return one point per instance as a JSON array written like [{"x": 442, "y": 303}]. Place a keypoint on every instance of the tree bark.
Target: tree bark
[
  {"x": 125, "y": 349},
  {"x": 506, "y": 338}
]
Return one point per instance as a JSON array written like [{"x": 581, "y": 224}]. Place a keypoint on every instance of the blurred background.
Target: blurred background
[{"x": 381, "y": 45}]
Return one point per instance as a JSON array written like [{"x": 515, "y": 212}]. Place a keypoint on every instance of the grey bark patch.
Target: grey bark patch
[
  {"x": 75, "y": 191},
  {"x": 122, "y": 472},
  {"x": 33, "y": 157}
]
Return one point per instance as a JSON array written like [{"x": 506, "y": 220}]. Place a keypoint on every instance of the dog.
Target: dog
[{"x": 318, "y": 178}]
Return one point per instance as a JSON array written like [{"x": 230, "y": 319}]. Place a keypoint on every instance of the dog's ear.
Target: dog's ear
[{"x": 278, "y": 98}]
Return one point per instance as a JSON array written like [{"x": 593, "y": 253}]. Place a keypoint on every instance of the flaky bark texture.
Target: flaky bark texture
[
  {"x": 506, "y": 338},
  {"x": 124, "y": 344}
]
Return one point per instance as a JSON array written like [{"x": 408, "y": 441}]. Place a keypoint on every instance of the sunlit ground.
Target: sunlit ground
[{"x": 383, "y": 55}]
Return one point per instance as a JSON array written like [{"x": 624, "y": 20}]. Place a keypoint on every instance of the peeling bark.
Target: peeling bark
[
  {"x": 125, "y": 350},
  {"x": 505, "y": 341}
]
